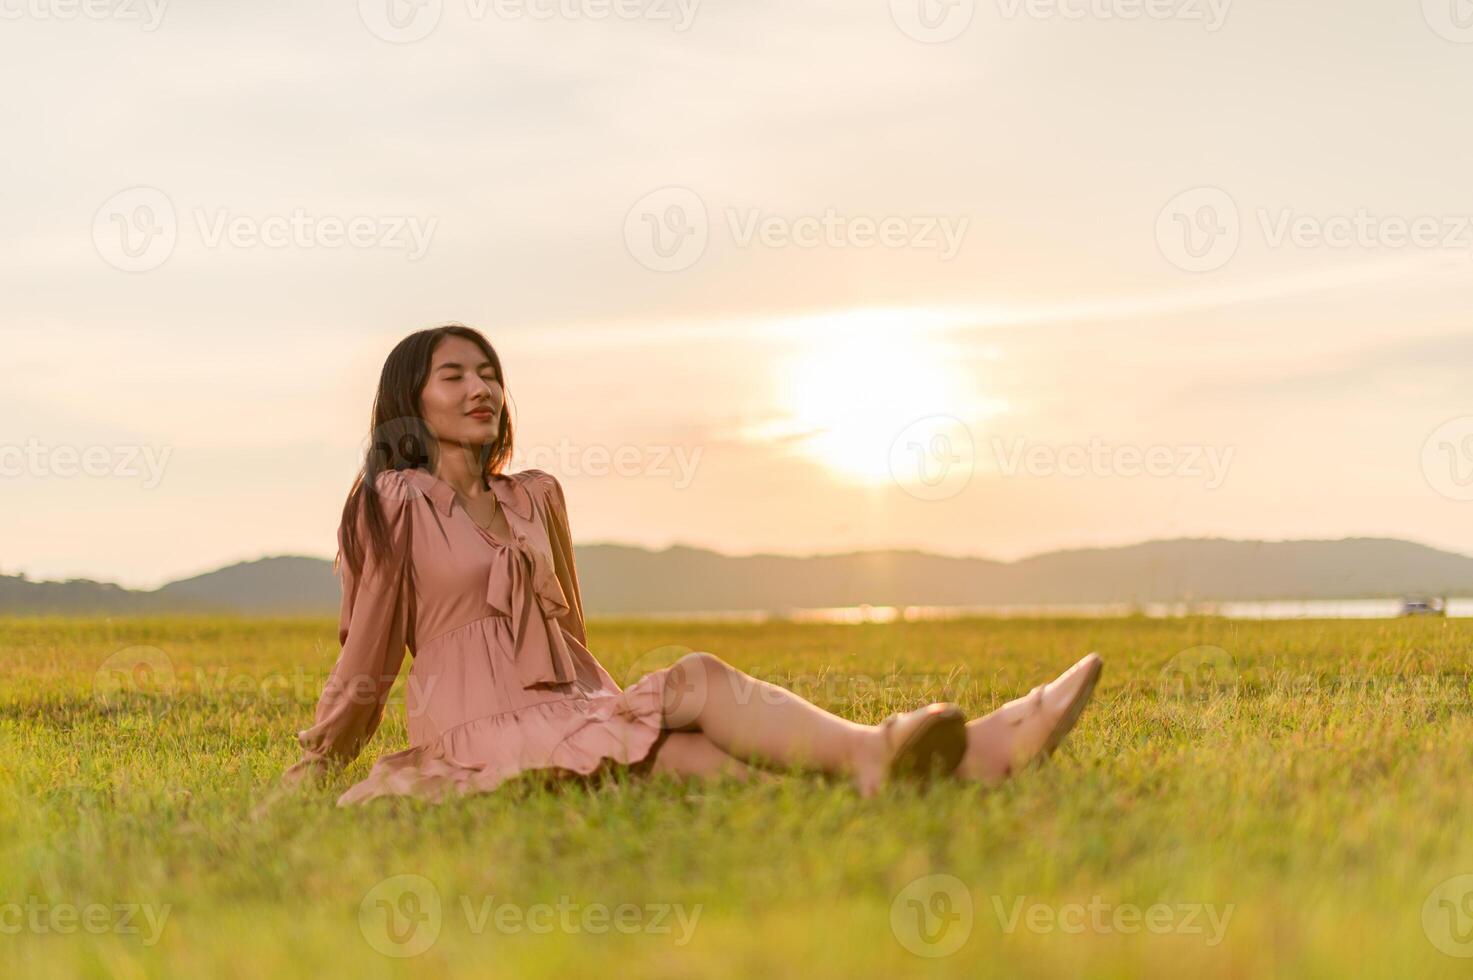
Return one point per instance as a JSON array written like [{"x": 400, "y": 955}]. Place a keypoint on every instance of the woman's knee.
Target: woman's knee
[
  {"x": 689, "y": 684},
  {"x": 703, "y": 665}
]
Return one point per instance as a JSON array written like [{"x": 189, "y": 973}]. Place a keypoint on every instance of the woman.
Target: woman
[{"x": 473, "y": 569}]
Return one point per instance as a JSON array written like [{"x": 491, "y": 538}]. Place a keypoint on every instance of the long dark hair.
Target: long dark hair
[{"x": 399, "y": 439}]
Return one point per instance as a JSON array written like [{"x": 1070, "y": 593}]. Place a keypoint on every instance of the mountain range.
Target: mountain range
[{"x": 623, "y": 580}]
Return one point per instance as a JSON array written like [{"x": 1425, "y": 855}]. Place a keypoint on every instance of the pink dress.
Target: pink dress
[{"x": 502, "y": 680}]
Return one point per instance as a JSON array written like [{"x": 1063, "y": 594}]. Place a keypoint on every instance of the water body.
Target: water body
[{"x": 1257, "y": 609}]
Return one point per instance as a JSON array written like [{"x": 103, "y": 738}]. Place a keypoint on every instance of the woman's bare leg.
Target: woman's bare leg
[
  {"x": 988, "y": 758},
  {"x": 758, "y": 722},
  {"x": 1027, "y": 727},
  {"x": 694, "y": 754},
  {"x": 753, "y": 720}
]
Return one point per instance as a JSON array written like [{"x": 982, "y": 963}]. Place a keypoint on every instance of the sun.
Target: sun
[{"x": 867, "y": 381}]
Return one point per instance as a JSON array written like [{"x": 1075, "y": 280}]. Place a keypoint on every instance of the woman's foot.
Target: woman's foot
[
  {"x": 926, "y": 742},
  {"x": 1028, "y": 729}
]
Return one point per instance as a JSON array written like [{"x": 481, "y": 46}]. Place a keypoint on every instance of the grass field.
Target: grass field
[{"x": 1241, "y": 800}]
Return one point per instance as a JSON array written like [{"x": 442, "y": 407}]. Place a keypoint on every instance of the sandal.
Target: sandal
[{"x": 924, "y": 743}]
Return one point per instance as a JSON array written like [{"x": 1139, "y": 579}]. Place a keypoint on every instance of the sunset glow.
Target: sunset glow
[{"x": 866, "y": 380}]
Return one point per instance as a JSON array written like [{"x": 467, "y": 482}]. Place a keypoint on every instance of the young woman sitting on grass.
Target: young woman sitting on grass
[{"x": 473, "y": 570}]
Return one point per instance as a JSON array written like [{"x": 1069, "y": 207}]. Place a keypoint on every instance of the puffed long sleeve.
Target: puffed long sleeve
[
  {"x": 561, "y": 539},
  {"x": 373, "y": 628}
]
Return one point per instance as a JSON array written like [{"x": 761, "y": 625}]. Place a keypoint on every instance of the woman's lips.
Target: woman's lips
[{"x": 485, "y": 415}]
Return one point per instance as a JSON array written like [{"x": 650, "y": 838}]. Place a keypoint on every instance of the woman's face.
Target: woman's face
[{"x": 463, "y": 397}]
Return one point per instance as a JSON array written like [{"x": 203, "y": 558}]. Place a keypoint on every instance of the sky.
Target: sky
[{"x": 975, "y": 278}]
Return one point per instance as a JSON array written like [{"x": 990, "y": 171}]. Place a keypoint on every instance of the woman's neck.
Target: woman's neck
[{"x": 461, "y": 467}]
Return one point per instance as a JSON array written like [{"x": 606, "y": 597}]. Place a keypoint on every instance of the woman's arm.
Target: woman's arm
[{"x": 372, "y": 632}]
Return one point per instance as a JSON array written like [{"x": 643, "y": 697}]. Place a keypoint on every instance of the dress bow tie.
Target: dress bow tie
[{"x": 541, "y": 652}]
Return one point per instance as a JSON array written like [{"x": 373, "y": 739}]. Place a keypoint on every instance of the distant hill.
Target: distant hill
[{"x": 617, "y": 579}]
